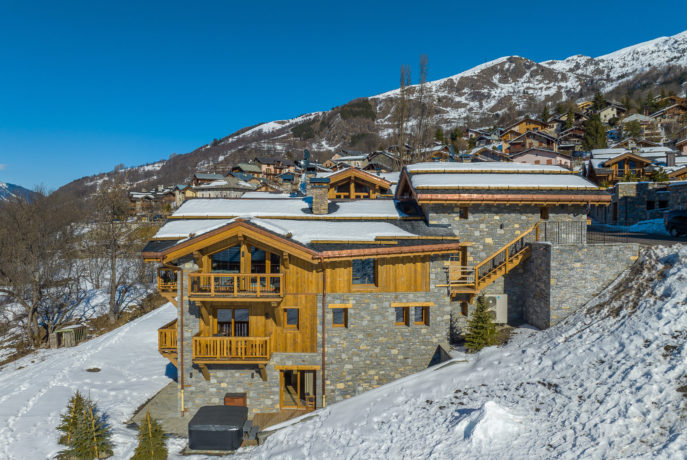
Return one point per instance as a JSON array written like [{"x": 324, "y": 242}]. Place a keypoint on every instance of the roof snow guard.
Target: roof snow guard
[{"x": 497, "y": 183}]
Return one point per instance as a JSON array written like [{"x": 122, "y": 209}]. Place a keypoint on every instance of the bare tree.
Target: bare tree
[
  {"x": 401, "y": 113},
  {"x": 425, "y": 111}
]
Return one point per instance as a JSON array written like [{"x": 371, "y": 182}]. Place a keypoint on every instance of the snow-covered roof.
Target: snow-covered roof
[
  {"x": 267, "y": 195},
  {"x": 637, "y": 117},
  {"x": 501, "y": 181},
  {"x": 208, "y": 176},
  {"x": 294, "y": 207},
  {"x": 351, "y": 158},
  {"x": 491, "y": 166}
]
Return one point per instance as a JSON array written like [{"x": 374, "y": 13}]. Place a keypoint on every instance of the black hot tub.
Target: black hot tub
[{"x": 217, "y": 428}]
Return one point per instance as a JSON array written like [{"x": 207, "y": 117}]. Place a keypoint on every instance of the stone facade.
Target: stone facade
[
  {"x": 490, "y": 227},
  {"x": 633, "y": 202}
]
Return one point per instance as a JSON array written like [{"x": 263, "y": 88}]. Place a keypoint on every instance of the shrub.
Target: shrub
[{"x": 86, "y": 431}]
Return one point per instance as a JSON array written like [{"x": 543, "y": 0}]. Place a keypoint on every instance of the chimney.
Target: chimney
[
  {"x": 670, "y": 159},
  {"x": 319, "y": 187}
]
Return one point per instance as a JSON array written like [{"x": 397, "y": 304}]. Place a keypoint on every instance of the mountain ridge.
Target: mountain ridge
[{"x": 484, "y": 94}]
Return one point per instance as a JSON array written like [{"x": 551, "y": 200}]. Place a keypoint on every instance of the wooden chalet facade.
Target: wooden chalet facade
[
  {"x": 529, "y": 140},
  {"x": 356, "y": 184},
  {"x": 608, "y": 171},
  {"x": 300, "y": 302}
]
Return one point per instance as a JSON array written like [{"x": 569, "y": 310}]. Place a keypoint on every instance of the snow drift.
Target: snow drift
[{"x": 609, "y": 382}]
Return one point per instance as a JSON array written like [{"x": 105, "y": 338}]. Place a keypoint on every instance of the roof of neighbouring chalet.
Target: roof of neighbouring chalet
[
  {"x": 343, "y": 174},
  {"x": 525, "y": 120},
  {"x": 535, "y": 150},
  {"x": 496, "y": 182},
  {"x": 532, "y": 134},
  {"x": 208, "y": 176}
]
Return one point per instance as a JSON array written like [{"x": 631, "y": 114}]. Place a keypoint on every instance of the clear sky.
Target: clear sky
[{"x": 86, "y": 85}]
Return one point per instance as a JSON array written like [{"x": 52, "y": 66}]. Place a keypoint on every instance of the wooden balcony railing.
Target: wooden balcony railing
[
  {"x": 167, "y": 338},
  {"x": 166, "y": 281},
  {"x": 227, "y": 349},
  {"x": 232, "y": 285},
  {"x": 472, "y": 279}
]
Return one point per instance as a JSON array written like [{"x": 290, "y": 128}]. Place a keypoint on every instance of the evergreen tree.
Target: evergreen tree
[
  {"x": 151, "y": 441},
  {"x": 545, "y": 115},
  {"x": 633, "y": 129},
  {"x": 481, "y": 330},
  {"x": 91, "y": 437},
  {"x": 70, "y": 418},
  {"x": 594, "y": 134},
  {"x": 599, "y": 101},
  {"x": 659, "y": 175},
  {"x": 570, "y": 118},
  {"x": 439, "y": 135}
]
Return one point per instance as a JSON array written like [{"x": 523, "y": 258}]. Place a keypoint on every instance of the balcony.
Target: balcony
[
  {"x": 167, "y": 341},
  {"x": 232, "y": 286},
  {"x": 166, "y": 281},
  {"x": 231, "y": 350}
]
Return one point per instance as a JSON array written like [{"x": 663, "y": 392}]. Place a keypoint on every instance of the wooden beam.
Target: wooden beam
[
  {"x": 263, "y": 372},
  {"x": 204, "y": 370}
]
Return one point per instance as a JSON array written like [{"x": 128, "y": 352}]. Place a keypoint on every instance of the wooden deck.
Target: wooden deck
[
  {"x": 232, "y": 286},
  {"x": 213, "y": 350}
]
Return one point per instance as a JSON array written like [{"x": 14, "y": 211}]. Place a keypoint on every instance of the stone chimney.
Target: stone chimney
[
  {"x": 670, "y": 159},
  {"x": 319, "y": 187}
]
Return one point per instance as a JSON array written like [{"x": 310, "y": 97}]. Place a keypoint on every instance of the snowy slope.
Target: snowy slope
[
  {"x": 603, "y": 384},
  {"x": 9, "y": 190},
  {"x": 35, "y": 389}
]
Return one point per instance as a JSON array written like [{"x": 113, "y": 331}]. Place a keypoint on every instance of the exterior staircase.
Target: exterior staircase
[{"x": 471, "y": 280}]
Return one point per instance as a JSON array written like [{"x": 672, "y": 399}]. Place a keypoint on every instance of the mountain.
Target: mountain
[
  {"x": 10, "y": 190},
  {"x": 484, "y": 95}
]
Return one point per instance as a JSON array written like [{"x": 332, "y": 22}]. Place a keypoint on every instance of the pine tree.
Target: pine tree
[
  {"x": 659, "y": 175},
  {"x": 545, "y": 115},
  {"x": 91, "y": 437},
  {"x": 151, "y": 441},
  {"x": 570, "y": 118},
  {"x": 599, "y": 101},
  {"x": 439, "y": 135},
  {"x": 481, "y": 330},
  {"x": 70, "y": 418},
  {"x": 594, "y": 134}
]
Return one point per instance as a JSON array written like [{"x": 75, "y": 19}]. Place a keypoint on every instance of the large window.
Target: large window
[
  {"x": 227, "y": 261},
  {"x": 291, "y": 318},
  {"x": 233, "y": 322},
  {"x": 364, "y": 271},
  {"x": 257, "y": 260}
]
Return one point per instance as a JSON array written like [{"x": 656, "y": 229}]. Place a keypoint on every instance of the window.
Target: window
[
  {"x": 421, "y": 316},
  {"x": 544, "y": 213},
  {"x": 650, "y": 205},
  {"x": 463, "y": 213},
  {"x": 401, "y": 316},
  {"x": 257, "y": 260},
  {"x": 227, "y": 261},
  {"x": 363, "y": 271},
  {"x": 339, "y": 317},
  {"x": 291, "y": 318}
]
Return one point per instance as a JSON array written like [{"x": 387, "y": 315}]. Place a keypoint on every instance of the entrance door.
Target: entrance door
[{"x": 297, "y": 389}]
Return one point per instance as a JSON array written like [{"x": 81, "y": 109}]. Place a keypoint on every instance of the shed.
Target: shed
[{"x": 68, "y": 336}]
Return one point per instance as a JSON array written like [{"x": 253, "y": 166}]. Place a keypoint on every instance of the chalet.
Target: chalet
[
  {"x": 301, "y": 302},
  {"x": 527, "y": 124},
  {"x": 351, "y": 158},
  {"x": 531, "y": 139},
  {"x": 355, "y": 184},
  {"x": 632, "y": 143},
  {"x": 673, "y": 113},
  {"x": 270, "y": 168},
  {"x": 609, "y": 166},
  {"x": 205, "y": 178},
  {"x": 227, "y": 187},
  {"x": 584, "y": 106},
  {"x": 381, "y": 161},
  {"x": 485, "y": 154},
  {"x": 611, "y": 111},
  {"x": 570, "y": 140},
  {"x": 247, "y": 168},
  {"x": 537, "y": 156}
]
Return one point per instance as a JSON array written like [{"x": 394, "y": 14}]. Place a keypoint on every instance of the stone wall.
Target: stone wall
[{"x": 489, "y": 227}]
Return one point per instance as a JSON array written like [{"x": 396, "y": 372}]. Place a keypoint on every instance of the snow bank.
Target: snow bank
[
  {"x": 602, "y": 384},
  {"x": 34, "y": 390}
]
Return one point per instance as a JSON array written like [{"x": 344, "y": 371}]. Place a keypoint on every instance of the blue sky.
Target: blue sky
[{"x": 86, "y": 85}]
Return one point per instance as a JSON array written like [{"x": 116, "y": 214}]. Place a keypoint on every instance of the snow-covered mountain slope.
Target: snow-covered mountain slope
[
  {"x": 34, "y": 390},
  {"x": 609, "y": 382},
  {"x": 9, "y": 190},
  {"x": 478, "y": 96}
]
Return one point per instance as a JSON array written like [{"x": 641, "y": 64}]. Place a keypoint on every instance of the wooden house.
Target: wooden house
[
  {"x": 205, "y": 178},
  {"x": 611, "y": 111},
  {"x": 611, "y": 168},
  {"x": 271, "y": 168},
  {"x": 531, "y": 139},
  {"x": 356, "y": 184},
  {"x": 539, "y": 156},
  {"x": 527, "y": 124},
  {"x": 681, "y": 145},
  {"x": 247, "y": 168}
]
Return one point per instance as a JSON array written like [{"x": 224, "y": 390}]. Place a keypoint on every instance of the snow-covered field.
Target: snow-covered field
[
  {"x": 34, "y": 390},
  {"x": 603, "y": 384},
  {"x": 653, "y": 227}
]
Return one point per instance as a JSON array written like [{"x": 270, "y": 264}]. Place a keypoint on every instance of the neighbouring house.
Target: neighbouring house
[
  {"x": 611, "y": 111},
  {"x": 674, "y": 113},
  {"x": 302, "y": 302},
  {"x": 584, "y": 106},
  {"x": 247, "y": 168},
  {"x": 682, "y": 146},
  {"x": 205, "y": 178},
  {"x": 227, "y": 187},
  {"x": 531, "y": 139},
  {"x": 609, "y": 166},
  {"x": 570, "y": 140},
  {"x": 649, "y": 127},
  {"x": 270, "y": 168},
  {"x": 355, "y": 184},
  {"x": 527, "y": 124},
  {"x": 538, "y": 156},
  {"x": 382, "y": 161},
  {"x": 159, "y": 200}
]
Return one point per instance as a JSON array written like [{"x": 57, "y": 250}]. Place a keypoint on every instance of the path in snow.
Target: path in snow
[{"x": 34, "y": 390}]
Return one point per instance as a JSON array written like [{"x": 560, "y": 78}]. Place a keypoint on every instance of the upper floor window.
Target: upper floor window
[
  {"x": 227, "y": 261},
  {"x": 291, "y": 318},
  {"x": 363, "y": 271}
]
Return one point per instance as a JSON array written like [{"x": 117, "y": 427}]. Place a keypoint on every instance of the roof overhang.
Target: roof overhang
[{"x": 513, "y": 198}]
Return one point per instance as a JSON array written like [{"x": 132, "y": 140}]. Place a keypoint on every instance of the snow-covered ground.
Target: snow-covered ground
[
  {"x": 34, "y": 390},
  {"x": 603, "y": 384}
]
